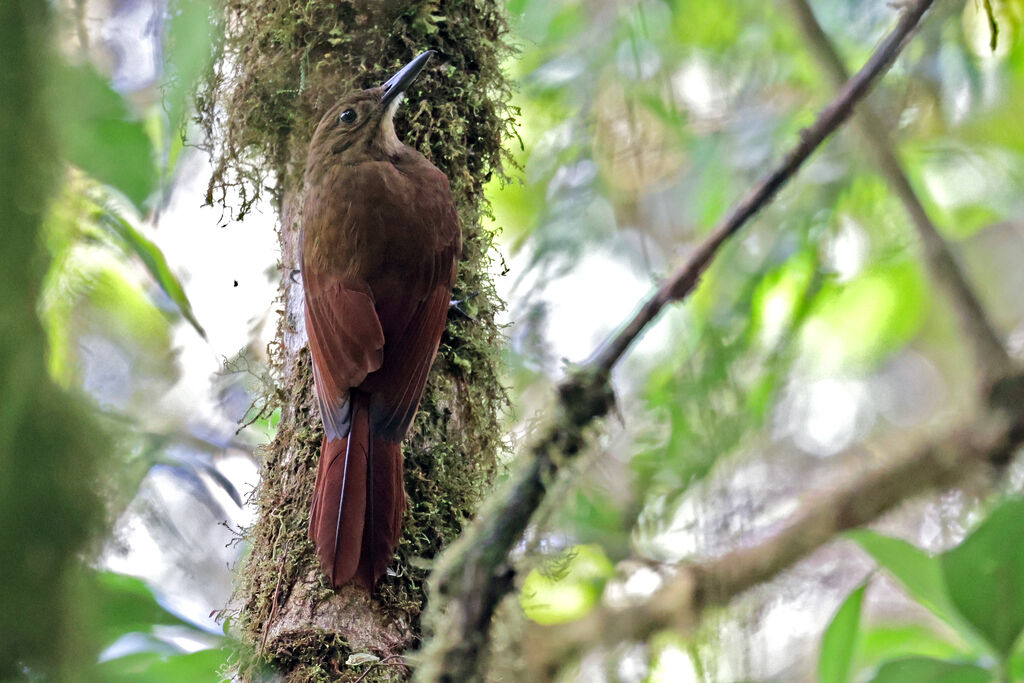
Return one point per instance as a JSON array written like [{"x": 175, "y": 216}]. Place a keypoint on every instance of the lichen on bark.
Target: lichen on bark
[{"x": 283, "y": 62}]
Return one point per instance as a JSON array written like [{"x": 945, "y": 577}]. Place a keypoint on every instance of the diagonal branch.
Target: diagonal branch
[
  {"x": 990, "y": 356},
  {"x": 474, "y": 574},
  {"x": 937, "y": 463},
  {"x": 683, "y": 281}
]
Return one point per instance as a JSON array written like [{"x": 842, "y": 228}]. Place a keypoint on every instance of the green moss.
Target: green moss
[{"x": 288, "y": 61}]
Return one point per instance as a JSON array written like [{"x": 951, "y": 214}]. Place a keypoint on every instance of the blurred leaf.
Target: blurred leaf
[
  {"x": 920, "y": 574},
  {"x": 63, "y": 280},
  {"x": 89, "y": 293},
  {"x": 865, "y": 203},
  {"x": 597, "y": 517},
  {"x": 568, "y": 587},
  {"x": 702, "y": 410},
  {"x": 714, "y": 187},
  {"x": 515, "y": 208},
  {"x": 985, "y": 575},
  {"x": 862, "y": 321},
  {"x": 546, "y": 24},
  {"x": 132, "y": 318},
  {"x": 124, "y": 604},
  {"x": 964, "y": 188},
  {"x": 967, "y": 219},
  {"x": 998, "y": 123},
  {"x": 715, "y": 25},
  {"x": 712, "y": 388},
  {"x": 149, "y": 667},
  {"x": 93, "y": 288},
  {"x": 151, "y": 257},
  {"x": 1015, "y": 665},
  {"x": 188, "y": 52},
  {"x": 924, "y": 670},
  {"x": 884, "y": 641},
  {"x": 841, "y": 640},
  {"x": 779, "y": 295},
  {"x": 101, "y": 136}
]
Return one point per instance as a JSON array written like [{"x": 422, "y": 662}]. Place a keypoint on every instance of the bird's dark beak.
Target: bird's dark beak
[{"x": 396, "y": 85}]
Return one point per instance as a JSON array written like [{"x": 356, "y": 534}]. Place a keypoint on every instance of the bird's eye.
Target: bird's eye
[{"x": 347, "y": 116}]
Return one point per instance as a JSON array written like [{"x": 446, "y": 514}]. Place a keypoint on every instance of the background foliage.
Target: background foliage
[{"x": 813, "y": 338}]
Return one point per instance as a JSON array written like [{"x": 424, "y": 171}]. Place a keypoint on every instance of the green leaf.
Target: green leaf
[
  {"x": 124, "y": 604},
  {"x": 862, "y": 321},
  {"x": 883, "y": 641},
  {"x": 715, "y": 26},
  {"x": 149, "y": 667},
  {"x": 100, "y": 134},
  {"x": 779, "y": 295},
  {"x": 919, "y": 572},
  {"x": 151, "y": 257},
  {"x": 1015, "y": 666},
  {"x": 841, "y": 640},
  {"x": 985, "y": 576},
  {"x": 924, "y": 670}
]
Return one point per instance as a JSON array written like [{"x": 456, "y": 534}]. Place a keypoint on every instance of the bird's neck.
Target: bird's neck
[{"x": 386, "y": 139}]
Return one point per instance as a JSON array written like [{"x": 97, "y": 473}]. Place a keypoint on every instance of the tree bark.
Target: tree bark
[{"x": 283, "y": 63}]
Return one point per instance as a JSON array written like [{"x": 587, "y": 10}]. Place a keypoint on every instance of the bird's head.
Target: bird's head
[{"x": 360, "y": 125}]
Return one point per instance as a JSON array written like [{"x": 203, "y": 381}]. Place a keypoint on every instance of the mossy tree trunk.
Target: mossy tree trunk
[{"x": 284, "y": 62}]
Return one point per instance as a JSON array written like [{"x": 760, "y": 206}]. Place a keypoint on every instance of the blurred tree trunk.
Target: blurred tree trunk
[
  {"x": 49, "y": 445},
  {"x": 284, "y": 63}
]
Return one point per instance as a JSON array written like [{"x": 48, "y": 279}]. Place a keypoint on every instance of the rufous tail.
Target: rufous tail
[{"x": 358, "y": 502}]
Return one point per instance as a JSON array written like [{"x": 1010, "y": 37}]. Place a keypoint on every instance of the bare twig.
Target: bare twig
[
  {"x": 381, "y": 662},
  {"x": 990, "y": 356},
  {"x": 474, "y": 574},
  {"x": 939, "y": 462}
]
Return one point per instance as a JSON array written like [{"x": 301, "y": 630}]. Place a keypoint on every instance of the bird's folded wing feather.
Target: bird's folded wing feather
[
  {"x": 408, "y": 355},
  {"x": 346, "y": 341}
]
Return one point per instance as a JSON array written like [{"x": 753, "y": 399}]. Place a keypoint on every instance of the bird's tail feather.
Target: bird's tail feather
[
  {"x": 385, "y": 505},
  {"x": 358, "y": 503}
]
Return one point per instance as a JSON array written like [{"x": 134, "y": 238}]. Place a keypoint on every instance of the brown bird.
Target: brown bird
[{"x": 380, "y": 243}]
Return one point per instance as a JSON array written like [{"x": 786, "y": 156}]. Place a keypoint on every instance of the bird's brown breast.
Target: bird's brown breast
[{"x": 379, "y": 220}]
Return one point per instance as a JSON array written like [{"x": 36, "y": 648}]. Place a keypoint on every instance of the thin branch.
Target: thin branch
[
  {"x": 938, "y": 463},
  {"x": 474, "y": 574},
  {"x": 683, "y": 281},
  {"x": 990, "y": 356}
]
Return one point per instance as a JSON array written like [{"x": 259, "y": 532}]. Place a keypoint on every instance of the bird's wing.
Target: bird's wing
[
  {"x": 409, "y": 352},
  {"x": 346, "y": 341},
  {"x": 413, "y": 306}
]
